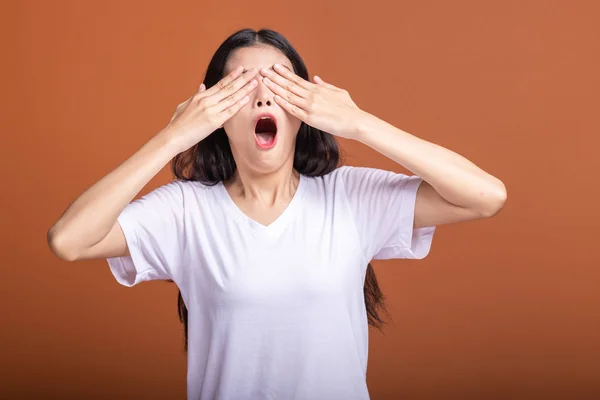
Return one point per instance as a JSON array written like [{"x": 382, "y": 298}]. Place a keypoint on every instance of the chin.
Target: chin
[{"x": 270, "y": 159}]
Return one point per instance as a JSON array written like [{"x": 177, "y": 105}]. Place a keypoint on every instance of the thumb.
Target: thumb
[
  {"x": 321, "y": 82},
  {"x": 202, "y": 87}
]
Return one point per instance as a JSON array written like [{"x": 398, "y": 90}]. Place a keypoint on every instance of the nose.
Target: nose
[{"x": 264, "y": 96}]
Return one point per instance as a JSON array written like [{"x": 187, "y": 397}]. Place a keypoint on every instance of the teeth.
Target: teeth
[{"x": 264, "y": 117}]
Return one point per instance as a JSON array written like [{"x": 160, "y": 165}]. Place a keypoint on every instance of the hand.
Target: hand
[
  {"x": 207, "y": 110},
  {"x": 319, "y": 104}
]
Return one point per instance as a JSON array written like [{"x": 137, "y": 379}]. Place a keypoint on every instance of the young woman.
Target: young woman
[{"x": 267, "y": 238}]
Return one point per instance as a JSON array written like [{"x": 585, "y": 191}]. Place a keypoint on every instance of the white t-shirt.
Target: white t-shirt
[{"x": 277, "y": 311}]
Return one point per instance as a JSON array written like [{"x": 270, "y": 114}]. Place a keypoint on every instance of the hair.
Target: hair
[{"x": 316, "y": 153}]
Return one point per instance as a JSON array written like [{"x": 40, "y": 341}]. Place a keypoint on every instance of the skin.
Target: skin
[
  {"x": 454, "y": 189},
  {"x": 265, "y": 180}
]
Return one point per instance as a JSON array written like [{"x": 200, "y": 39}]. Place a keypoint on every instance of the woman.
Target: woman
[{"x": 268, "y": 240}]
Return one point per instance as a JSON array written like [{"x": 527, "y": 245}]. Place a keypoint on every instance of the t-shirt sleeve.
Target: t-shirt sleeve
[
  {"x": 383, "y": 207},
  {"x": 153, "y": 226}
]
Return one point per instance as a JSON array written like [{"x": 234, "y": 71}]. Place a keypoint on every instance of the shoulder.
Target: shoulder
[
  {"x": 345, "y": 175},
  {"x": 348, "y": 175},
  {"x": 360, "y": 184},
  {"x": 177, "y": 192},
  {"x": 345, "y": 181},
  {"x": 342, "y": 172},
  {"x": 188, "y": 187}
]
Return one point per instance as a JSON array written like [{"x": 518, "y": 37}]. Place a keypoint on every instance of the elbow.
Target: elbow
[
  {"x": 495, "y": 202},
  {"x": 58, "y": 246}
]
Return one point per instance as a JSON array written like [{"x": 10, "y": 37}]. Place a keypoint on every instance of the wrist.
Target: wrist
[
  {"x": 167, "y": 140},
  {"x": 364, "y": 120}
]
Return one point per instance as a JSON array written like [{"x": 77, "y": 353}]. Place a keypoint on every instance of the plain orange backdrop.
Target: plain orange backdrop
[{"x": 503, "y": 308}]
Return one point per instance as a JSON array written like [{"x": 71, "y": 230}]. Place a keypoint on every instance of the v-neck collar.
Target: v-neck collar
[{"x": 275, "y": 227}]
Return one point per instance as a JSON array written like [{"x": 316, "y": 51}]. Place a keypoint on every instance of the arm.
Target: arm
[
  {"x": 454, "y": 189},
  {"x": 88, "y": 229}
]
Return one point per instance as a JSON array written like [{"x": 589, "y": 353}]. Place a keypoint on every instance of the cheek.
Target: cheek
[
  {"x": 295, "y": 124},
  {"x": 236, "y": 125}
]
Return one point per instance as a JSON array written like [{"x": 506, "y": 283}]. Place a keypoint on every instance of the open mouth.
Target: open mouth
[{"x": 265, "y": 131}]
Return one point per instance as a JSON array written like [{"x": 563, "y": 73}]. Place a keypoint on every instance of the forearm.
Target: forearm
[
  {"x": 93, "y": 213},
  {"x": 455, "y": 178}
]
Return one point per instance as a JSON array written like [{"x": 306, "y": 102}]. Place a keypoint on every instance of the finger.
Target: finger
[
  {"x": 179, "y": 108},
  {"x": 291, "y": 97},
  {"x": 288, "y": 82},
  {"x": 233, "y": 75},
  {"x": 226, "y": 80},
  {"x": 291, "y": 108},
  {"x": 234, "y": 86},
  {"x": 233, "y": 109},
  {"x": 235, "y": 97},
  {"x": 287, "y": 73},
  {"x": 202, "y": 88},
  {"x": 320, "y": 81}
]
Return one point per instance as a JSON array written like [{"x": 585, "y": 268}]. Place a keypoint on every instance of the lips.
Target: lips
[{"x": 265, "y": 130}]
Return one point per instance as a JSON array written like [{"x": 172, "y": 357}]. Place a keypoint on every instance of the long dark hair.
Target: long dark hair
[{"x": 316, "y": 153}]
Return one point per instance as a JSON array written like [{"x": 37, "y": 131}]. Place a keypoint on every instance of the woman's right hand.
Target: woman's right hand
[{"x": 207, "y": 110}]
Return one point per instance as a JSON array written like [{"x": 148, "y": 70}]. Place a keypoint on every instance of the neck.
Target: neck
[{"x": 267, "y": 189}]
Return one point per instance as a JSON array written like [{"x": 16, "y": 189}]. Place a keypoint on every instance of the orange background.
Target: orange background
[{"x": 504, "y": 308}]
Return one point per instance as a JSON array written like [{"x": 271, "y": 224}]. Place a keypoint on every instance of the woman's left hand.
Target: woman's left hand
[{"x": 319, "y": 104}]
